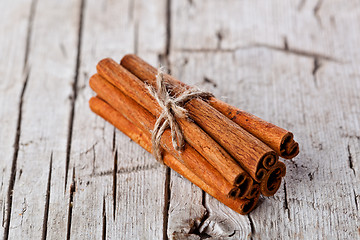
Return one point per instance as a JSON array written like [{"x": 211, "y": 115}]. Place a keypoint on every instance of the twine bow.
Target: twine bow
[{"x": 172, "y": 108}]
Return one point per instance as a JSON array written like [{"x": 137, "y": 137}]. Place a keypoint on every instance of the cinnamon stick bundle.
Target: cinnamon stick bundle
[
  {"x": 253, "y": 155},
  {"x": 146, "y": 121},
  {"x": 280, "y": 140},
  {"x": 231, "y": 163},
  {"x": 141, "y": 137},
  {"x": 194, "y": 135}
]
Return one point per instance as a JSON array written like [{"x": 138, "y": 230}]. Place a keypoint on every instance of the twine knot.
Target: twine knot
[{"x": 172, "y": 108}]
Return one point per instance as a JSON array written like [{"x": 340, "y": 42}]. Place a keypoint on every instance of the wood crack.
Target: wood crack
[
  {"x": 164, "y": 58},
  {"x": 199, "y": 229},
  {"x": 208, "y": 50},
  {"x": 286, "y": 44},
  {"x": 316, "y": 67},
  {"x": 29, "y": 32},
  {"x": 167, "y": 197},
  {"x": 136, "y": 38},
  {"x": 350, "y": 160},
  {"x": 104, "y": 221},
  {"x": 71, "y": 204},
  {"x": 26, "y": 72},
  {"x": 355, "y": 199},
  {"x": 47, "y": 200},
  {"x": 89, "y": 149},
  {"x": 114, "y": 140},
  {"x": 316, "y": 12},
  {"x": 219, "y": 37},
  {"x": 252, "y": 227},
  {"x": 286, "y": 205},
  {"x": 114, "y": 188},
  {"x": 210, "y": 81},
  {"x": 14, "y": 161},
  {"x": 93, "y": 161},
  {"x": 74, "y": 92},
  {"x": 301, "y": 5},
  {"x": 297, "y": 52},
  {"x": 3, "y": 217},
  {"x": 131, "y": 10},
  {"x": 168, "y": 31},
  {"x": 167, "y": 191}
]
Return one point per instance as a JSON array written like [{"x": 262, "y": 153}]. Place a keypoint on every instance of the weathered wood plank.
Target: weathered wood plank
[
  {"x": 310, "y": 28},
  {"x": 292, "y": 63},
  {"x": 114, "y": 192},
  {"x": 293, "y": 75},
  {"x": 14, "y": 29},
  {"x": 291, "y": 102},
  {"x": 45, "y": 115},
  {"x": 141, "y": 183},
  {"x": 186, "y": 210}
]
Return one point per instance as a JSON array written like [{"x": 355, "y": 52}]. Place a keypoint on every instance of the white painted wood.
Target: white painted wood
[
  {"x": 294, "y": 63},
  {"x": 315, "y": 26},
  {"x": 141, "y": 181},
  {"x": 14, "y": 22},
  {"x": 129, "y": 205},
  {"x": 253, "y": 70},
  {"x": 45, "y": 115},
  {"x": 186, "y": 211}
]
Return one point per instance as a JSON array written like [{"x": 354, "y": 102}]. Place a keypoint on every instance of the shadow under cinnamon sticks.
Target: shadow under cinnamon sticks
[{"x": 242, "y": 206}]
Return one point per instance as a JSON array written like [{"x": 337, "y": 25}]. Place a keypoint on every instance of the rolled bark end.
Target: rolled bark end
[
  {"x": 260, "y": 174},
  {"x": 254, "y": 190},
  {"x": 269, "y": 160},
  {"x": 272, "y": 180},
  {"x": 240, "y": 179},
  {"x": 234, "y": 193},
  {"x": 289, "y": 148},
  {"x": 244, "y": 187},
  {"x": 251, "y": 203}
]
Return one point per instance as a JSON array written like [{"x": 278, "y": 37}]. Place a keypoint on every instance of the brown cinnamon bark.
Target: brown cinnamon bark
[
  {"x": 250, "y": 153},
  {"x": 279, "y": 139},
  {"x": 275, "y": 137},
  {"x": 146, "y": 121},
  {"x": 141, "y": 137}
]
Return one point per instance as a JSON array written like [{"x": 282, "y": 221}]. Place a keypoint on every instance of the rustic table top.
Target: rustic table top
[{"x": 293, "y": 63}]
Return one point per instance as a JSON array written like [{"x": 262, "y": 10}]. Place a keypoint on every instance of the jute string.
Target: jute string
[{"x": 172, "y": 108}]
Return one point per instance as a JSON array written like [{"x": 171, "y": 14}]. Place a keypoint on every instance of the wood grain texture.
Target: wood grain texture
[
  {"x": 116, "y": 179},
  {"x": 15, "y": 25},
  {"x": 300, "y": 58},
  {"x": 289, "y": 83},
  {"x": 45, "y": 114}
]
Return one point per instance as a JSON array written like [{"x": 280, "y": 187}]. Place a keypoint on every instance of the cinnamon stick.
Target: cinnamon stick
[
  {"x": 280, "y": 140},
  {"x": 272, "y": 180},
  {"x": 253, "y": 155},
  {"x": 146, "y": 121},
  {"x": 141, "y": 137}
]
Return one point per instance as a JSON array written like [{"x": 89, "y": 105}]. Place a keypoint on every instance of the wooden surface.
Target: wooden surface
[{"x": 67, "y": 174}]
